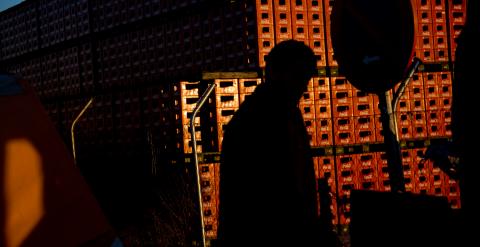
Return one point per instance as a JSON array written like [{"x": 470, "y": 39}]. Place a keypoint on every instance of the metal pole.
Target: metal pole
[
  {"x": 199, "y": 105},
  {"x": 401, "y": 89},
  {"x": 73, "y": 127},
  {"x": 394, "y": 158}
]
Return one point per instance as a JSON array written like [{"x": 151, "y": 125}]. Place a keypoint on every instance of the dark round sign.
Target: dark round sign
[{"x": 373, "y": 41}]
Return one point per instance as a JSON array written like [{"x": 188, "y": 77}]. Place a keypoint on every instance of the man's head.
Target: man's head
[{"x": 290, "y": 65}]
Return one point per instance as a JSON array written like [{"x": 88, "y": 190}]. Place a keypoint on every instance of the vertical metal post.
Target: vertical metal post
[
  {"x": 401, "y": 89},
  {"x": 199, "y": 105},
  {"x": 392, "y": 146},
  {"x": 72, "y": 128}
]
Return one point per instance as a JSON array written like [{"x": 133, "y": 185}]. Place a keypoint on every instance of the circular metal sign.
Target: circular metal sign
[{"x": 373, "y": 41}]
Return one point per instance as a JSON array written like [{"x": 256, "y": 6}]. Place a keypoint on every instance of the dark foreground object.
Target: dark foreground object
[{"x": 392, "y": 219}]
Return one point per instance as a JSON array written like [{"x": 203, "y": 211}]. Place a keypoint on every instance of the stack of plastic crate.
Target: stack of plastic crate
[{"x": 307, "y": 107}]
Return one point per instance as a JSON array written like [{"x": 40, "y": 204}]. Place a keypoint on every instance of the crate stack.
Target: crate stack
[
  {"x": 17, "y": 32},
  {"x": 189, "y": 94},
  {"x": 142, "y": 61},
  {"x": 291, "y": 19},
  {"x": 61, "y": 20},
  {"x": 307, "y": 108},
  {"x": 457, "y": 17},
  {"x": 323, "y": 113}
]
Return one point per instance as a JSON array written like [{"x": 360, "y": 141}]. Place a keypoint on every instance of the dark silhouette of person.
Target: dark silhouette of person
[
  {"x": 464, "y": 124},
  {"x": 267, "y": 181}
]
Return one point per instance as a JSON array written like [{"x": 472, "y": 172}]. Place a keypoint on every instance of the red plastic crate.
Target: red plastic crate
[
  {"x": 310, "y": 125},
  {"x": 331, "y": 59},
  {"x": 426, "y": 55},
  {"x": 438, "y": 4},
  {"x": 322, "y": 98},
  {"x": 187, "y": 103},
  {"x": 322, "y": 111},
  {"x": 227, "y": 101},
  {"x": 421, "y": 4},
  {"x": 376, "y": 108},
  {"x": 308, "y": 97},
  {"x": 445, "y": 103},
  {"x": 423, "y": 79},
  {"x": 342, "y": 110},
  {"x": 381, "y": 158},
  {"x": 455, "y": 29},
  {"x": 406, "y": 161},
  {"x": 424, "y": 16},
  {"x": 316, "y": 32},
  {"x": 419, "y": 131},
  {"x": 261, "y": 60},
  {"x": 446, "y": 90},
  {"x": 315, "y": 12},
  {"x": 364, "y": 122},
  {"x": 324, "y": 138},
  {"x": 366, "y": 160},
  {"x": 440, "y": 29},
  {"x": 416, "y": 79},
  {"x": 362, "y": 97},
  {"x": 300, "y": 32},
  {"x": 365, "y": 135},
  {"x": 344, "y": 137},
  {"x": 226, "y": 86},
  {"x": 409, "y": 183},
  {"x": 444, "y": 78},
  {"x": 458, "y": 16},
  {"x": 424, "y": 42},
  {"x": 343, "y": 124},
  {"x": 187, "y": 133},
  {"x": 418, "y": 117},
  {"x": 446, "y": 115},
  {"x": 436, "y": 130},
  {"x": 324, "y": 164},
  {"x": 345, "y": 162},
  {"x": 347, "y": 177},
  {"x": 324, "y": 125},
  {"x": 308, "y": 110},
  {"x": 368, "y": 174},
  {"x": 283, "y": 32},
  {"x": 321, "y": 84},
  {"x": 300, "y": 5},
  {"x": 424, "y": 29},
  {"x": 439, "y": 16},
  {"x": 188, "y": 148},
  {"x": 434, "y": 117},
  {"x": 441, "y": 55},
  {"x": 403, "y": 104},
  {"x": 403, "y": 118},
  {"x": 431, "y": 91},
  {"x": 248, "y": 86},
  {"x": 318, "y": 47},
  {"x": 299, "y": 15},
  {"x": 378, "y": 129},
  {"x": 264, "y": 12},
  {"x": 432, "y": 104},
  {"x": 405, "y": 132},
  {"x": 417, "y": 104},
  {"x": 342, "y": 96},
  {"x": 363, "y": 108},
  {"x": 224, "y": 115}
]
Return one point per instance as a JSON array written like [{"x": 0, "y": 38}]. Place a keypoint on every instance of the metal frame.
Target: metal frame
[{"x": 199, "y": 105}]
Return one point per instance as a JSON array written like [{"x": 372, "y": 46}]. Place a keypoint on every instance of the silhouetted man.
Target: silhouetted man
[
  {"x": 267, "y": 181},
  {"x": 465, "y": 127}
]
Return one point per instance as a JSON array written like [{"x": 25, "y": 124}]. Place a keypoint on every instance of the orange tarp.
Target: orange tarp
[{"x": 44, "y": 201}]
